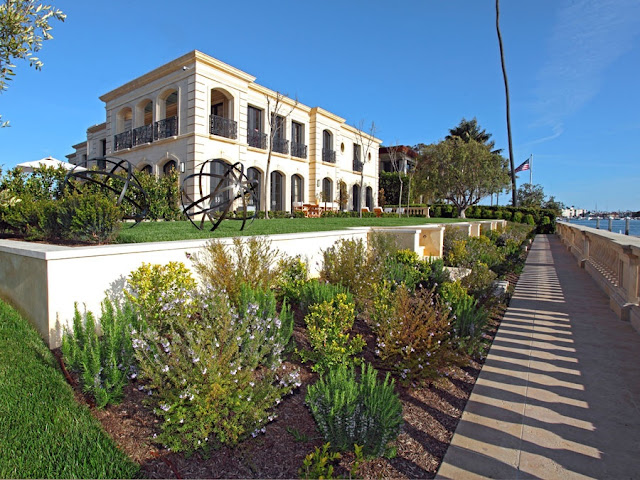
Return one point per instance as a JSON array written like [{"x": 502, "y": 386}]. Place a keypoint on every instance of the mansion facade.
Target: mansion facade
[{"x": 197, "y": 108}]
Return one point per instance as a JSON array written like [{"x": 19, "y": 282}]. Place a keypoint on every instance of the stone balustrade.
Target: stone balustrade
[{"x": 613, "y": 260}]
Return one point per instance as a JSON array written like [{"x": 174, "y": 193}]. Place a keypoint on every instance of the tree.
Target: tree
[
  {"x": 506, "y": 91},
  {"x": 277, "y": 123},
  {"x": 461, "y": 172},
  {"x": 552, "y": 204},
  {"x": 530, "y": 195},
  {"x": 470, "y": 130},
  {"x": 365, "y": 141},
  {"x": 394, "y": 156},
  {"x": 24, "y": 25}
]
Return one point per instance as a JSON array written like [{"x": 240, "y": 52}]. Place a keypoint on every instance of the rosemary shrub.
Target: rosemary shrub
[{"x": 347, "y": 411}]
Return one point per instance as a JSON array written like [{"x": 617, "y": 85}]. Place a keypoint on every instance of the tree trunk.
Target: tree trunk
[
  {"x": 506, "y": 91},
  {"x": 462, "y": 212},
  {"x": 361, "y": 190},
  {"x": 267, "y": 185},
  {"x": 400, "y": 198}
]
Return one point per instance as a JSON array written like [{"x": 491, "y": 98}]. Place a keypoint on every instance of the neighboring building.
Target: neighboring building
[
  {"x": 197, "y": 108},
  {"x": 573, "y": 212},
  {"x": 403, "y": 156}
]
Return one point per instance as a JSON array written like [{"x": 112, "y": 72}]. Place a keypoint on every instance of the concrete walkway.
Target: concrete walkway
[{"x": 559, "y": 394}]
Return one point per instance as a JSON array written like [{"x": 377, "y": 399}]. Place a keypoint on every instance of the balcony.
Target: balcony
[
  {"x": 142, "y": 135},
  {"x": 146, "y": 134},
  {"x": 165, "y": 128},
  {"x": 298, "y": 150},
  {"x": 280, "y": 145},
  {"x": 223, "y": 127},
  {"x": 328, "y": 155},
  {"x": 122, "y": 141},
  {"x": 257, "y": 140},
  {"x": 357, "y": 165}
]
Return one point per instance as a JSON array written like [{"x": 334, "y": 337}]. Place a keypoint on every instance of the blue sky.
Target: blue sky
[{"x": 415, "y": 68}]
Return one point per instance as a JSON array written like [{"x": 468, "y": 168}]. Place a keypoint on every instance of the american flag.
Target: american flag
[{"x": 523, "y": 166}]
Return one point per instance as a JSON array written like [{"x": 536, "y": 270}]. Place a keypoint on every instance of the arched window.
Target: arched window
[
  {"x": 123, "y": 137},
  {"x": 170, "y": 165},
  {"x": 147, "y": 169},
  {"x": 255, "y": 175},
  {"x": 297, "y": 190},
  {"x": 369, "y": 198},
  {"x": 143, "y": 133},
  {"x": 355, "y": 198},
  {"x": 167, "y": 126},
  {"x": 327, "y": 190},
  {"x": 171, "y": 105},
  {"x": 277, "y": 191},
  {"x": 221, "y": 119}
]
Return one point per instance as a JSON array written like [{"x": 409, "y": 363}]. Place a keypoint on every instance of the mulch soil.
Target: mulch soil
[{"x": 431, "y": 414}]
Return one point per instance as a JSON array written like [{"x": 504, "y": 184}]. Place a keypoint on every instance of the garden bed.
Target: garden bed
[{"x": 431, "y": 414}]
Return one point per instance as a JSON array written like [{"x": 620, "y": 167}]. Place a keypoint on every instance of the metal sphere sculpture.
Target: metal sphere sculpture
[
  {"x": 228, "y": 183},
  {"x": 113, "y": 175}
]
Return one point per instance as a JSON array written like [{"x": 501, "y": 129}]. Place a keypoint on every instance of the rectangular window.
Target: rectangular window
[
  {"x": 103, "y": 145},
  {"x": 297, "y": 132},
  {"x": 357, "y": 158},
  {"x": 278, "y": 124},
  {"x": 254, "y": 119}
]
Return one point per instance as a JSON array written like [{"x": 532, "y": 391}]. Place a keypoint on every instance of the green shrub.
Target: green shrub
[
  {"x": 328, "y": 325},
  {"x": 517, "y": 217},
  {"x": 252, "y": 261},
  {"x": 160, "y": 291},
  {"x": 528, "y": 219},
  {"x": 318, "y": 464},
  {"x": 212, "y": 377},
  {"x": 347, "y": 411},
  {"x": 413, "y": 332},
  {"x": 315, "y": 292},
  {"x": 102, "y": 362},
  {"x": 468, "y": 318},
  {"x": 90, "y": 217},
  {"x": 479, "y": 282},
  {"x": 293, "y": 276}
]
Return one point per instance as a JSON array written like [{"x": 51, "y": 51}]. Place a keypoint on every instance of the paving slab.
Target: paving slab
[{"x": 559, "y": 394}]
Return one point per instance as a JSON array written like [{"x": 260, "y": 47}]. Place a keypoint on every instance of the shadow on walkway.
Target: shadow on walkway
[{"x": 559, "y": 394}]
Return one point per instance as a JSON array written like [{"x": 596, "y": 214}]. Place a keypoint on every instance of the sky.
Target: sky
[{"x": 415, "y": 68}]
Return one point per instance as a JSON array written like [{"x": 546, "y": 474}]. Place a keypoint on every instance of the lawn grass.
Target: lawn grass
[
  {"x": 44, "y": 432},
  {"x": 165, "y": 231}
]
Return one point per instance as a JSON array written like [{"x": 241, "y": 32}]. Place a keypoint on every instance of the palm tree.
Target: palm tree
[{"x": 506, "y": 91}]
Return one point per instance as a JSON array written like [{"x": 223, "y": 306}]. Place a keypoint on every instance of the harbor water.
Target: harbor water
[{"x": 618, "y": 226}]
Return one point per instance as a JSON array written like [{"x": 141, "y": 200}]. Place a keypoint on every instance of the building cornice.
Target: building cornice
[
  {"x": 364, "y": 134},
  {"x": 97, "y": 128},
  {"x": 192, "y": 58},
  {"x": 283, "y": 98},
  {"x": 79, "y": 145},
  {"x": 327, "y": 114}
]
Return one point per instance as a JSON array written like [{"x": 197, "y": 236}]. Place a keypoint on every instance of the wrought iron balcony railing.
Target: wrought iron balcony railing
[
  {"x": 298, "y": 150},
  {"x": 122, "y": 141},
  {"x": 165, "y": 128},
  {"x": 357, "y": 165},
  {"x": 328, "y": 155},
  {"x": 223, "y": 127},
  {"x": 280, "y": 145},
  {"x": 257, "y": 140},
  {"x": 142, "y": 135}
]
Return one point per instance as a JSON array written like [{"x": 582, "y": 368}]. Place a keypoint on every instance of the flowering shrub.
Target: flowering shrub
[
  {"x": 468, "y": 318},
  {"x": 293, "y": 275},
  {"x": 479, "y": 282},
  {"x": 347, "y": 411},
  {"x": 103, "y": 362},
  {"x": 213, "y": 371},
  {"x": 413, "y": 332},
  {"x": 328, "y": 324}
]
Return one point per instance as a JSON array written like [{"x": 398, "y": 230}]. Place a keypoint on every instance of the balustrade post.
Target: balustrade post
[
  {"x": 630, "y": 274},
  {"x": 586, "y": 243}
]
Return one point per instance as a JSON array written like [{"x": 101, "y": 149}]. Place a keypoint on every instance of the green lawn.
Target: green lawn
[
  {"x": 44, "y": 432},
  {"x": 163, "y": 231}
]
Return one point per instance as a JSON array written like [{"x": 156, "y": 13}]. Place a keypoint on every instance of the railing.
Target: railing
[
  {"x": 142, "y": 135},
  {"x": 122, "y": 141},
  {"x": 257, "y": 140},
  {"x": 223, "y": 127},
  {"x": 613, "y": 260},
  {"x": 328, "y": 155},
  {"x": 165, "y": 128},
  {"x": 298, "y": 150},
  {"x": 280, "y": 145},
  {"x": 357, "y": 165}
]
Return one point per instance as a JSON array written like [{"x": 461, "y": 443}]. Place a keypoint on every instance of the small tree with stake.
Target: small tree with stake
[{"x": 365, "y": 140}]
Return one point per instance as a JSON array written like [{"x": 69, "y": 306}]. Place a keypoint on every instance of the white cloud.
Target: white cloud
[{"x": 588, "y": 36}]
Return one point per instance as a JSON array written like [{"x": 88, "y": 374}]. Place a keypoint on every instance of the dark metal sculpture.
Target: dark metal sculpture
[
  {"x": 228, "y": 183},
  {"x": 114, "y": 175}
]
